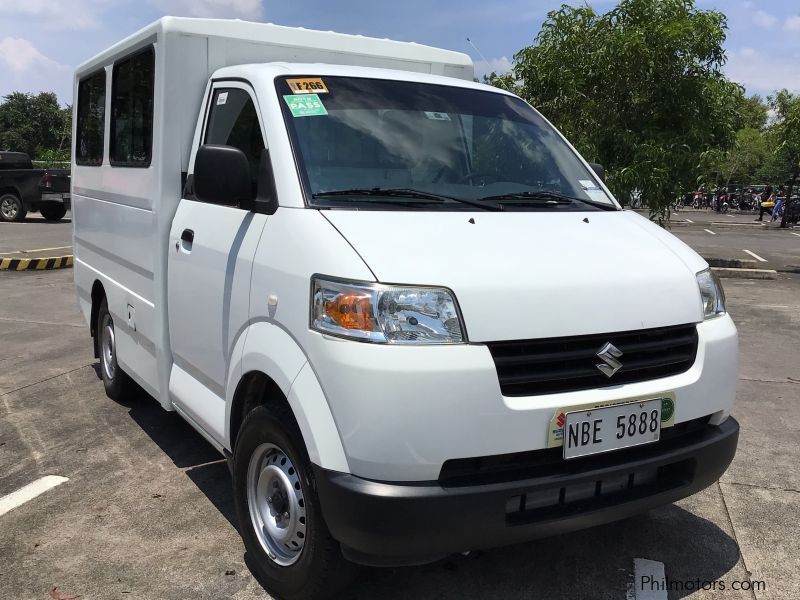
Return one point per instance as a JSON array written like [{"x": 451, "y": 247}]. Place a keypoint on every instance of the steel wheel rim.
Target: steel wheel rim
[
  {"x": 8, "y": 207},
  {"x": 108, "y": 346},
  {"x": 276, "y": 504}
]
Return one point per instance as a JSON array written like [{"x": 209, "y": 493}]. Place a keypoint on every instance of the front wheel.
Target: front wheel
[
  {"x": 292, "y": 553},
  {"x": 11, "y": 208}
]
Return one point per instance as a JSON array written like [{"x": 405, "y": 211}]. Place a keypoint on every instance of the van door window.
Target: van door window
[{"x": 233, "y": 121}]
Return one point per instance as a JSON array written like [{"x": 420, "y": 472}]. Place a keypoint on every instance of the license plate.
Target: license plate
[{"x": 611, "y": 428}]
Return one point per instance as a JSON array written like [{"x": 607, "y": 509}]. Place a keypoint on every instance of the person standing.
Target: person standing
[
  {"x": 780, "y": 200},
  {"x": 767, "y": 202}
]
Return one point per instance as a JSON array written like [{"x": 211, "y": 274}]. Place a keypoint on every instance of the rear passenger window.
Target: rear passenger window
[
  {"x": 132, "y": 110},
  {"x": 233, "y": 121},
  {"x": 91, "y": 119}
]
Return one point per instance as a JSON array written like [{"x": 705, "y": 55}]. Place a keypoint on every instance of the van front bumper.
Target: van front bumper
[{"x": 381, "y": 523}]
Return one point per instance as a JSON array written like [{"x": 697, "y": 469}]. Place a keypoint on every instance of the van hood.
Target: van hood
[{"x": 526, "y": 275}]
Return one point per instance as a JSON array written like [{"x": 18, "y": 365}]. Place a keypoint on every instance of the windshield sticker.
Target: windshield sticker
[
  {"x": 311, "y": 85},
  {"x": 437, "y": 116},
  {"x": 305, "y": 105},
  {"x": 588, "y": 185},
  {"x": 597, "y": 195},
  {"x": 222, "y": 98}
]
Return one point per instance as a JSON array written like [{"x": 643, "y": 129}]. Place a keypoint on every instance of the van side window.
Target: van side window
[
  {"x": 233, "y": 121},
  {"x": 91, "y": 119},
  {"x": 132, "y": 110}
]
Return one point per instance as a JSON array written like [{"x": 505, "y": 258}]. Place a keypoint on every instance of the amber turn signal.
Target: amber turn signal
[{"x": 351, "y": 311}]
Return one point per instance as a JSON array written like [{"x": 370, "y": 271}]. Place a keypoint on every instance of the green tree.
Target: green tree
[
  {"x": 753, "y": 112},
  {"x": 35, "y": 124},
  {"x": 639, "y": 89},
  {"x": 784, "y": 135},
  {"x": 738, "y": 164}
]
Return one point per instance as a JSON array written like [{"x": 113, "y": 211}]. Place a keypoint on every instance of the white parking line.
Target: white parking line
[
  {"x": 731, "y": 216},
  {"x": 754, "y": 255},
  {"x": 688, "y": 220},
  {"x": 793, "y": 233},
  {"x": 709, "y": 231},
  {"x": 38, "y": 250},
  {"x": 649, "y": 581},
  {"x": 29, "y": 492}
]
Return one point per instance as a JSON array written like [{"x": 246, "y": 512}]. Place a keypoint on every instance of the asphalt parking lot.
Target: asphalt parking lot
[
  {"x": 146, "y": 511},
  {"x": 35, "y": 237},
  {"x": 739, "y": 237}
]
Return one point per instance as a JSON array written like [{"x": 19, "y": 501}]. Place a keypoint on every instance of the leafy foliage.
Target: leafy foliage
[
  {"x": 753, "y": 112},
  {"x": 743, "y": 163},
  {"x": 35, "y": 124},
  {"x": 639, "y": 89}
]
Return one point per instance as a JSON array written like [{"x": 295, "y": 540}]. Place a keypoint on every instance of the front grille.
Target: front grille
[{"x": 568, "y": 364}]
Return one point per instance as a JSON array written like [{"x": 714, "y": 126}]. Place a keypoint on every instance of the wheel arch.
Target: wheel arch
[
  {"x": 98, "y": 293},
  {"x": 275, "y": 373},
  {"x": 10, "y": 189}
]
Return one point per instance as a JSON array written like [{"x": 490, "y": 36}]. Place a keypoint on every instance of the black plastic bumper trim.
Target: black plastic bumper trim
[{"x": 381, "y": 523}]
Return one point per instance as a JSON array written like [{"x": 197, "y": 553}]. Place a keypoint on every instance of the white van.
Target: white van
[{"x": 410, "y": 314}]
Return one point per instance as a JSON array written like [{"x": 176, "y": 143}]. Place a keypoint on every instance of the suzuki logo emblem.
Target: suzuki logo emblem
[{"x": 609, "y": 355}]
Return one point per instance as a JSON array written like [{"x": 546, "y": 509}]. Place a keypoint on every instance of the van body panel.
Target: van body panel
[
  {"x": 693, "y": 261},
  {"x": 531, "y": 275},
  {"x": 194, "y": 399}
]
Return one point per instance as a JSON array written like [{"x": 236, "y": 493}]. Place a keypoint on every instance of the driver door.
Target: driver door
[{"x": 211, "y": 254}]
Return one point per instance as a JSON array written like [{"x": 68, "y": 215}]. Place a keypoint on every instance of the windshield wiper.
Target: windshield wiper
[
  {"x": 407, "y": 193},
  {"x": 553, "y": 198},
  {"x": 545, "y": 198}
]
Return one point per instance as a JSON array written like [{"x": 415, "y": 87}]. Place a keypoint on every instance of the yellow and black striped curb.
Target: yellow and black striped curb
[{"x": 35, "y": 264}]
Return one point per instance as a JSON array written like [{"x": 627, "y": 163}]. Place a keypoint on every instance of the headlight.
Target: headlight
[
  {"x": 385, "y": 313},
  {"x": 711, "y": 294}
]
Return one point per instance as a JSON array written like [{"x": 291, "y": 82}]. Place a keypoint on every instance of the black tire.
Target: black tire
[
  {"x": 117, "y": 383},
  {"x": 53, "y": 211},
  {"x": 320, "y": 570},
  {"x": 11, "y": 208}
]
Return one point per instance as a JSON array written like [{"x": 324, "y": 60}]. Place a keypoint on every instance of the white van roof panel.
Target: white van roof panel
[{"x": 325, "y": 46}]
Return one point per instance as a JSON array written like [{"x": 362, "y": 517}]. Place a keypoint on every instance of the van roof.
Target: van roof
[{"x": 299, "y": 37}]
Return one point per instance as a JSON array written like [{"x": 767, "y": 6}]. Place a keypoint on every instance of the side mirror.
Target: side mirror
[
  {"x": 599, "y": 170},
  {"x": 222, "y": 175}
]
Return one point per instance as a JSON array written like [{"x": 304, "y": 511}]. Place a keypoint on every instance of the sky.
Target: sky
[{"x": 41, "y": 41}]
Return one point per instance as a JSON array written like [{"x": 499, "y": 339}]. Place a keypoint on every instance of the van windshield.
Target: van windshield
[{"x": 373, "y": 143}]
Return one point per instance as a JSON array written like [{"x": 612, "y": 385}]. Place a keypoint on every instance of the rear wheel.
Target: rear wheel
[
  {"x": 11, "y": 208},
  {"x": 291, "y": 552},
  {"x": 53, "y": 211},
  {"x": 117, "y": 383}
]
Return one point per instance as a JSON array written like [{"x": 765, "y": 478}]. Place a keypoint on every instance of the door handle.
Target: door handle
[{"x": 185, "y": 243}]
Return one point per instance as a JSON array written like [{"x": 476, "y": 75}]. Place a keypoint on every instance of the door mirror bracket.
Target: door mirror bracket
[{"x": 266, "y": 200}]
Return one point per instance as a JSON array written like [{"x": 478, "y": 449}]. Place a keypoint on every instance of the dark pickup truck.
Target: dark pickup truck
[{"x": 24, "y": 189}]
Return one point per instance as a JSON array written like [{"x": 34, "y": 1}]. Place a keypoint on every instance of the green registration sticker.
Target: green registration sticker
[{"x": 305, "y": 105}]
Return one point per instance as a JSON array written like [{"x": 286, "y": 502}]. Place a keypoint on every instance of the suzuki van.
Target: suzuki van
[{"x": 413, "y": 318}]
